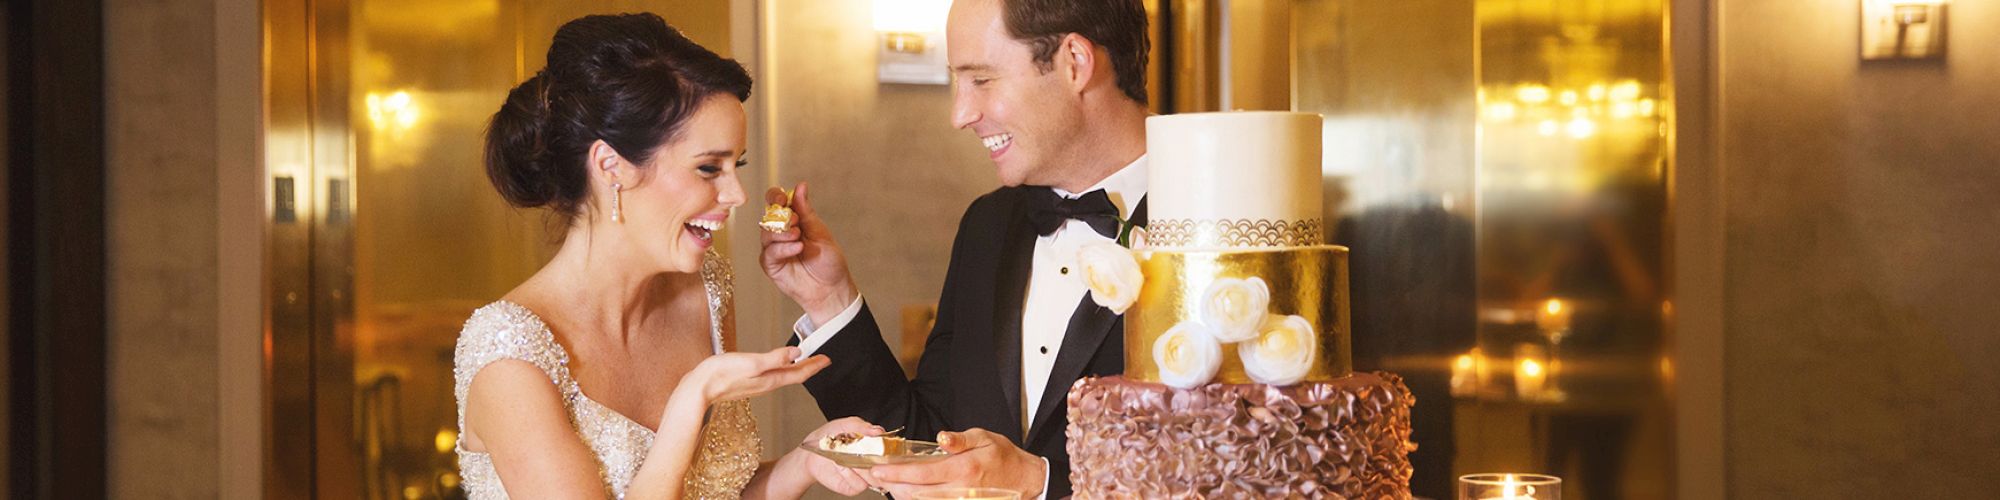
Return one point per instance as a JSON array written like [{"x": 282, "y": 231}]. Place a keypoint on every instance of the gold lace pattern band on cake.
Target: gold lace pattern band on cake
[{"x": 1235, "y": 233}]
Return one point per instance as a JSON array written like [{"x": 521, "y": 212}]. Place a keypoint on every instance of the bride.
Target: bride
[{"x": 608, "y": 373}]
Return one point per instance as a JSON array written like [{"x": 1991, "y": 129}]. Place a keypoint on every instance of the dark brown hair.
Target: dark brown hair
[
  {"x": 630, "y": 80},
  {"x": 1117, "y": 25}
]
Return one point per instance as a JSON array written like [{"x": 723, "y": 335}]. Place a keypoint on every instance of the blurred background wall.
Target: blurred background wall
[
  {"x": 1860, "y": 276},
  {"x": 180, "y": 99}
]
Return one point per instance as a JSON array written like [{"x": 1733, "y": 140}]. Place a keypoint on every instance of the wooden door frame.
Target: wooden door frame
[{"x": 56, "y": 258}]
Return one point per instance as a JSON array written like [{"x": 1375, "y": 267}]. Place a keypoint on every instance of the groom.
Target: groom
[{"x": 1056, "y": 90}]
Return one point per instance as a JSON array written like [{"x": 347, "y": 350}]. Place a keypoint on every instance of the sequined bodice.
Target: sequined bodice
[{"x": 729, "y": 451}]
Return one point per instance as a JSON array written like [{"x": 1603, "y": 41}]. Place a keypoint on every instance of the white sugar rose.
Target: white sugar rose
[
  {"x": 1234, "y": 308},
  {"x": 1112, "y": 273},
  {"x": 1187, "y": 355},
  {"x": 1283, "y": 353}
]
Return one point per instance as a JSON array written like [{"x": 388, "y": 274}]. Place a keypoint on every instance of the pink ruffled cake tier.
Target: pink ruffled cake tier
[{"x": 1349, "y": 438}]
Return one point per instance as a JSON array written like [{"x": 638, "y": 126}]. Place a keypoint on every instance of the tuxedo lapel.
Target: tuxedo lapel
[
  {"x": 1010, "y": 290},
  {"x": 1088, "y": 327}
]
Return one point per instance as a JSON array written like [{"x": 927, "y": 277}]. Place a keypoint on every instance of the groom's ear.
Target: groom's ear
[{"x": 1076, "y": 58}]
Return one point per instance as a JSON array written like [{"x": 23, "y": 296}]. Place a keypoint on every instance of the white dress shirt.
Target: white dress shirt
[{"x": 1055, "y": 287}]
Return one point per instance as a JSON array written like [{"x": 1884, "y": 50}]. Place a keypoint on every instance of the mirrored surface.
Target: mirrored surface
[{"x": 1498, "y": 170}]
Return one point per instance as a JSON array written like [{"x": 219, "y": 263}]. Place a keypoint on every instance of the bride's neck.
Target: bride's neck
[{"x": 602, "y": 289}]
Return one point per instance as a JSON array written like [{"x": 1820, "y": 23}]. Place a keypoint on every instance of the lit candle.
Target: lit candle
[
  {"x": 1465, "y": 374},
  {"x": 1509, "y": 487},
  {"x": 1553, "y": 316},
  {"x": 1529, "y": 377}
]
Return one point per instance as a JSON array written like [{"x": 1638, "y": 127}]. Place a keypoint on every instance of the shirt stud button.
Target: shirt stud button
[
  {"x": 1065, "y": 270},
  {"x": 1045, "y": 349}
]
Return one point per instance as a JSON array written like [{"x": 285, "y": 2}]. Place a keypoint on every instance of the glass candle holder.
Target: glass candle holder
[
  {"x": 1509, "y": 487},
  {"x": 968, "y": 494}
]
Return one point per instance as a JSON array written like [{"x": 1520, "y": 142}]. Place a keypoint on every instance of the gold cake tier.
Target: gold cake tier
[{"x": 1307, "y": 281}]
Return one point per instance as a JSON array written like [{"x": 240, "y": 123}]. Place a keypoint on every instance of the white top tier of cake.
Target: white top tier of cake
[{"x": 1236, "y": 179}]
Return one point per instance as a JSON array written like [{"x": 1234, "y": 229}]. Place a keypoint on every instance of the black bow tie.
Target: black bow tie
[{"x": 1051, "y": 210}]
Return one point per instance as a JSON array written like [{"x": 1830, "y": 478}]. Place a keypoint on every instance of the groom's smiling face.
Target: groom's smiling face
[{"x": 1023, "y": 113}]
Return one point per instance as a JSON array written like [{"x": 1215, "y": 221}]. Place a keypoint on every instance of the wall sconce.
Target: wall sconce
[
  {"x": 1902, "y": 29},
  {"x": 911, "y": 33}
]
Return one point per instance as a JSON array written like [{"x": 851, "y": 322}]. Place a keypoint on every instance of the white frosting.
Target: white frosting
[
  {"x": 866, "y": 445},
  {"x": 1234, "y": 166}
]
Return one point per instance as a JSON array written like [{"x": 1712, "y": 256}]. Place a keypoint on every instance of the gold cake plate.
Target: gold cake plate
[{"x": 896, "y": 451}]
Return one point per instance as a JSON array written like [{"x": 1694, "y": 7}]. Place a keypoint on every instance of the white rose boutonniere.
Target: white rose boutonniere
[
  {"x": 1112, "y": 273},
  {"x": 1283, "y": 353},
  {"x": 1187, "y": 355},
  {"x": 1234, "y": 308}
]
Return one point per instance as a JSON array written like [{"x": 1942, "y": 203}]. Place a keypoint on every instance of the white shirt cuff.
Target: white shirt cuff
[
  {"x": 1046, "y": 470},
  {"x": 812, "y": 337}
]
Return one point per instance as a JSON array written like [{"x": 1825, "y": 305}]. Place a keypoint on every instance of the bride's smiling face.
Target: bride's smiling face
[{"x": 686, "y": 191}]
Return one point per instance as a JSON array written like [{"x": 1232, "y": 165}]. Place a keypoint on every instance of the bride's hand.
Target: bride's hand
[
  {"x": 841, "y": 480},
  {"x": 739, "y": 375},
  {"x": 805, "y": 262}
]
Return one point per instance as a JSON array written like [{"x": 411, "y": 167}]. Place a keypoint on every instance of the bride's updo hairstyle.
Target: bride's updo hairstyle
[{"x": 629, "y": 79}]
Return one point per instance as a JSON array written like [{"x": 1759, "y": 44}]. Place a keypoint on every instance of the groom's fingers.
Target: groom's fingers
[
  {"x": 802, "y": 205},
  {"x": 939, "y": 472},
  {"x": 783, "y": 250},
  {"x": 791, "y": 233},
  {"x": 960, "y": 442},
  {"x": 851, "y": 483}
]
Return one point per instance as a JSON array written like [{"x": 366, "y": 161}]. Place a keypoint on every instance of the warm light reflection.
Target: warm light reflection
[
  {"x": 1465, "y": 373},
  {"x": 446, "y": 440},
  {"x": 396, "y": 111},
  {"x": 1625, "y": 91},
  {"x": 1580, "y": 128},
  {"x": 1529, "y": 378},
  {"x": 1533, "y": 94}
]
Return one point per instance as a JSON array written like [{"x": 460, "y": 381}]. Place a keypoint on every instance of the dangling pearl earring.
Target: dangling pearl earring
[{"x": 617, "y": 204}]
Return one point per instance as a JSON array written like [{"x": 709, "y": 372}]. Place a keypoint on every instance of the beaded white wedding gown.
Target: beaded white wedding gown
[{"x": 729, "y": 450}]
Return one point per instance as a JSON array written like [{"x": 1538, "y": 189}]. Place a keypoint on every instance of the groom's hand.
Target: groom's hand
[
  {"x": 978, "y": 459},
  {"x": 805, "y": 262}
]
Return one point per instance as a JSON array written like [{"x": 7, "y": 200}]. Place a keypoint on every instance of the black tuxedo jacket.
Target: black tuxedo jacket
[{"x": 970, "y": 372}]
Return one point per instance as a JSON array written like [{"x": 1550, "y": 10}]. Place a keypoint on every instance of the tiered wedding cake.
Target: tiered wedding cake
[{"x": 1237, "y": 380}]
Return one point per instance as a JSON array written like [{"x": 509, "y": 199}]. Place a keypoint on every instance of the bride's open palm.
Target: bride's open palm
[{"x": 739, "y": 375}]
